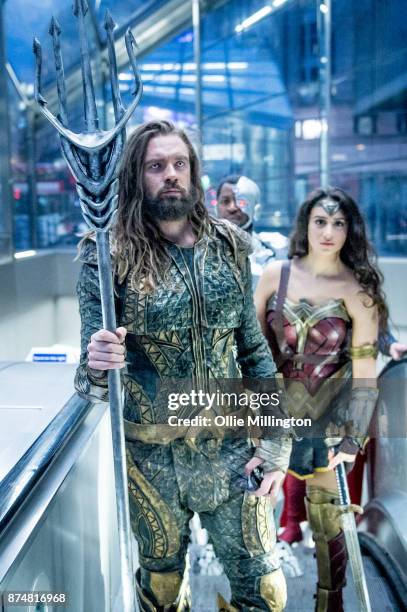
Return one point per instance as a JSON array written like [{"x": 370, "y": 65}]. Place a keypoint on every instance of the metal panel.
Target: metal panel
[
  {"x": 5, "y": 192},
  {"x": 64, "y": 539}
]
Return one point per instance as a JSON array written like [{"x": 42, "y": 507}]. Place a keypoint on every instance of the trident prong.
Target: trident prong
[
  {"x": 118, "y": 107},
  {"x": 89, "y": 142},
  {"x": 91, "y": 116},
  {"x": 55, "y": 31},
  {"x": 80, "y": 6},
  {"x": 37, "y": 82},
  {"x": 131, "y": 47},
  {"x": 93, "y": 158}
]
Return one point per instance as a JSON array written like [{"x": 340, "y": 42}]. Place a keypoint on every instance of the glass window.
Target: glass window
[
  {"x": 123, "y": 11},
  {"x": 261, "y": 92},
  {"x": 58, "y": 220},
  {"x": 169, "y": 77},
  {"x": 264, "y": 74},
  {"x": 367, "y": 123},
  {"x": 21, "y": 186},
  {"x": 25, "y": 20}
]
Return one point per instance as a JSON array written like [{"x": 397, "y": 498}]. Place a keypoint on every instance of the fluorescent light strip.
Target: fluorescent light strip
[
  {"x": 188, "y": 66},
  {"x": 263, "y": 12},
  {"x": 213, "y": 78},
  {"x": 237, "y": 65},
  {"x": 24, "y": 254},
  {"x": 186, "y": 91}
]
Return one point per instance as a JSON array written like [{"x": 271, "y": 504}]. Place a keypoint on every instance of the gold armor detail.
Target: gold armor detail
[
  {"x": 299, "y": 403},
  {"x": 322, "y": 603},
  {"x": 324, "y": 517},
  {"x": 163, "y": 349},
  {"x": 224, "y": 606},
  {"x": 165, "y": 586},
  {"x": 364, "y": 351},
  {"x": 145, "y": 604},
  {"x": 164, "y": 531},
  {"x": 222, "y": 344},
  {"x": 257, "y": 528},
  {"x": 323, "y": 514},
  {"x": 137, "y": 393},
  {"x": 273, "y": 589},
  {"x": 304, "y": 316},
  {"x": 134, "y": 307}
]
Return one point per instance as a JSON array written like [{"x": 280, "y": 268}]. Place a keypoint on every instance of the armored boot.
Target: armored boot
[
  {"x": 224, "y": 606},
  {"x": 324, "y": 519},
  {"x": 267, "y": 592},
  {"x": 161, "y": 592}
]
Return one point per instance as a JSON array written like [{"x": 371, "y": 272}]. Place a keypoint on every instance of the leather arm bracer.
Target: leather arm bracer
[{"x": 359, "y": 412}]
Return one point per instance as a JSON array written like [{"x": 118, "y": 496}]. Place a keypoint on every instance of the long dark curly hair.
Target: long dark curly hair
[{"x": 357, "y": 253}]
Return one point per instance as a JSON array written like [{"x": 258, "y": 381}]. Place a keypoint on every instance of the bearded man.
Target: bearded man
[{"x": 185, "y": 310}]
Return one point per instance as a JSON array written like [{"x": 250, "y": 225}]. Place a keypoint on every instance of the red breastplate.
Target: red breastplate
[{"x": 315, "y": 342}]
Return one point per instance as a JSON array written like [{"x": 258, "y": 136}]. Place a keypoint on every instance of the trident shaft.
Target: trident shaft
[{"x": 93, "y": 158}]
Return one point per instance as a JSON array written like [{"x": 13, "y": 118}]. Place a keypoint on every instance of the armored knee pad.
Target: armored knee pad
[
  {"x": 158, "y": 591},
  {"x": 323, "y": 513},
  {"x": 273, "y": 590},
  {"x": 267, "y": 592}
]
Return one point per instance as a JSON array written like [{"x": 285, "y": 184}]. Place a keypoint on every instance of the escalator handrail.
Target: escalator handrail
[
  {"x": 392, "y": 364},
  {"x": 21, "y": 479}
]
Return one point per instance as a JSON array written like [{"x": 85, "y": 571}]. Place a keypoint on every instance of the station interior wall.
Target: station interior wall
[{"x": 39, "y": 307}]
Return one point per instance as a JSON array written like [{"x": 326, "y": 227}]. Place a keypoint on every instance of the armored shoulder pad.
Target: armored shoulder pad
[
  {"x": 87, "y": 250},
  {"x": 236, "y": 237}
]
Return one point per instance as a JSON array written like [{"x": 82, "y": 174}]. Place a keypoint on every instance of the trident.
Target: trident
[{"x": 93, "y": 158}]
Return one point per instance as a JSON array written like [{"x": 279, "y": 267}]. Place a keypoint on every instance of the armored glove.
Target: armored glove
[{"x": 356, "y": 423}]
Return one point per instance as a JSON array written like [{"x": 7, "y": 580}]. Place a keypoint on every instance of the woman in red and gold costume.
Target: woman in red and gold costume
[{"x": 321, "y": 312}]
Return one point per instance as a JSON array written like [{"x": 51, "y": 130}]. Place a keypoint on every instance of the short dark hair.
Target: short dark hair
[{"x": 232, "y": 179}]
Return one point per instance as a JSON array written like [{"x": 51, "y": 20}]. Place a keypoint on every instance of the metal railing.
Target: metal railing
[{"x": 21, "y": 479}]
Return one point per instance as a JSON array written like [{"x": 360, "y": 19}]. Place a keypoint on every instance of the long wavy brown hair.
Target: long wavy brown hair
[
  {"x": 357, "y": 253},
  {"x": 138, "y": 242}
]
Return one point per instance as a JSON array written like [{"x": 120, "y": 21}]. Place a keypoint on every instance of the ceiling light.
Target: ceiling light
[
  {"x": 24, "y": 254},
  {"x": 263, "y": 12},
  {"x": 213, "y": 78}
]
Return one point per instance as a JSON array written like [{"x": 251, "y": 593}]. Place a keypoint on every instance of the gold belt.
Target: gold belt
[{"x": 162, "y": 433}]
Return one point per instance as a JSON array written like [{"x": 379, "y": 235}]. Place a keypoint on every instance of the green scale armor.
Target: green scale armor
[{"x": 189, "y": 329}]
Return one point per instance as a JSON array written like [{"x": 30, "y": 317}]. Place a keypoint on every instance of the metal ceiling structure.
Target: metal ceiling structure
[{"x": 152, "y": 24}]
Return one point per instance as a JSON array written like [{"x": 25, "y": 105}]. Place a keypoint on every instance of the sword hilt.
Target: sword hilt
[{"x": 343, "y": 490}]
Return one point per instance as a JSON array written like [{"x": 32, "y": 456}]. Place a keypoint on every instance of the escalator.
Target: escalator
[{"x": 58, "y": 528}]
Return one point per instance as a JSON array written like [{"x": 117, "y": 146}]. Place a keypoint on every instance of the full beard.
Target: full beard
[{"x": 168, "y": 209}]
